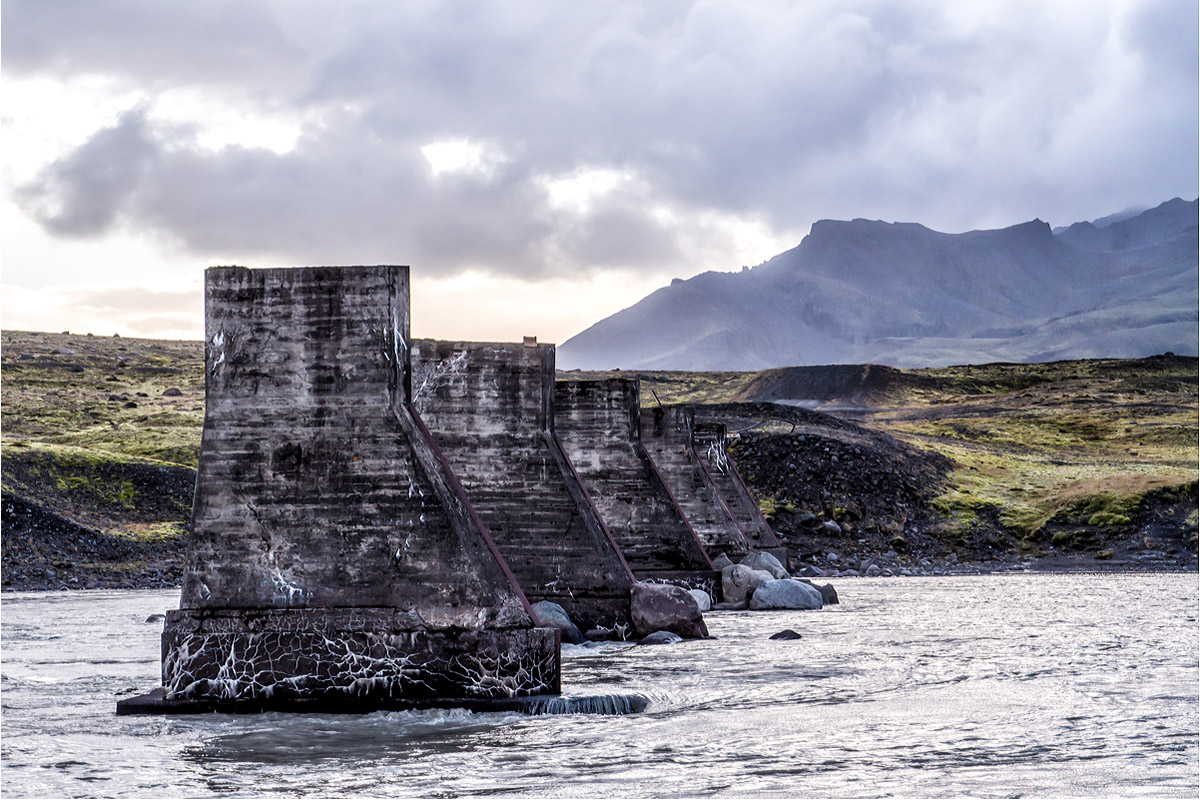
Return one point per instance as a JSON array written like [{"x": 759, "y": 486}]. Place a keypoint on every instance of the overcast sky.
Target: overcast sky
[{"x": 541, "y": 165}]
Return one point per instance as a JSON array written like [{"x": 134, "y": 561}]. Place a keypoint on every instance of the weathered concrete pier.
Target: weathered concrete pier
[
  {"x": 709, "y": 440},
  {"x": 491, "y": 410},
  {"x": 599, "y": 424},
  {"x": 725, "y": 518},
  {"x": 335, "y": 562}
]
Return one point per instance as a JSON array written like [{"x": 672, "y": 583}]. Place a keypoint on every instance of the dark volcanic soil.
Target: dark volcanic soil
[
  {"x": 59, "y": 516},
  {"x": 843, "y": 497},
  {"x": 41, "y": 550}
]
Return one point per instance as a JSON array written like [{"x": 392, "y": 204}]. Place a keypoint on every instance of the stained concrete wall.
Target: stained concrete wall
[
  {"x": 491, "y": 409},
  {"x": 668, "y": 437},
  {"x": 330, "y": 542},
  {"x": 599, "y": 425},
  {"x": 710, "y": 445}
]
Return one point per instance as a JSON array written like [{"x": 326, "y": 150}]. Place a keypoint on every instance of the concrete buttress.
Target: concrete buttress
[
  {"x": 669, "y": 438},
  {"x": 710, "y": 446},
  {"x": 599, "y": 424},
  {"x": 491, "y": 409}
]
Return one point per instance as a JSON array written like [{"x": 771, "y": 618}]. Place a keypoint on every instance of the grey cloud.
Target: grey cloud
[
  {"x": 620, "y": 234},
  {"x": 784, "y": 113},
  {"x": 1153, "y": 31},
  {"x": 156, "y": 43},
  {"x": 85, "y": 193}
]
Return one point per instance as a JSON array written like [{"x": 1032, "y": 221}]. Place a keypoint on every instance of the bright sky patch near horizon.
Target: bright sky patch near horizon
[{"x": 542, "y": 165}]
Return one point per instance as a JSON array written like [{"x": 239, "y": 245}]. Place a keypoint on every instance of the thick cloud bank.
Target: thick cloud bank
[{"x": 547, "y": 138}]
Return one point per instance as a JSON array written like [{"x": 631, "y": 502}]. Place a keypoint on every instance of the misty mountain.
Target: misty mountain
[{"x": 902, "y": 294}]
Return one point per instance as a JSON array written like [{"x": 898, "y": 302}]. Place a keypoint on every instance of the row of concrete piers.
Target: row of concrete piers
[{"x": 377, "y": 518}]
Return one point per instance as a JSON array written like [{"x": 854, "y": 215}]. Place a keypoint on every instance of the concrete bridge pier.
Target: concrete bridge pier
[
  {"x": 693, "y": 461},
  {"x": 491, "y": 408},
  {"x": 335, "y": 562},
  {"x": 709, "y": 443},
  {"x": 599, "y": 424}
]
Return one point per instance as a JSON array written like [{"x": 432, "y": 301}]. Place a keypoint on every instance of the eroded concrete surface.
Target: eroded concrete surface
[
  {"x": 491, "y": 409},
  {"x": 708, "y": 439},
  {"x": 332, "y": 549},
  {"x": 599, "y": 425},
  {"x": 668, "y": 435}
]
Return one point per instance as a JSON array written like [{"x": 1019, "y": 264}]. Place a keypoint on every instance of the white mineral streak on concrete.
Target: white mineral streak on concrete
[
  {"x": 716, "y": 455},
  {"x": 287, "y": 594},
  {"x": 218, "y": 351}
]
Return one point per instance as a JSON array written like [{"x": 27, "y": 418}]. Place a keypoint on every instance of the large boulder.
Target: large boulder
[
  {"x": 785, "y": 594},
  {"x": 552, "y": 615},
  {"x": 721, "y": 562},
  {"x": 661, "y": 637},
  {"x": 702, "y": 599},
  {"x": 662, "y": 607},
  {"x": 739, "y": 581},
  {"x": 767, "y": 563},
  {"x": 828, "y": 594}
]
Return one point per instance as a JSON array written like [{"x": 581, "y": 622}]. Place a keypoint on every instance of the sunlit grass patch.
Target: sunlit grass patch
[{"x": 150, "y": 531}]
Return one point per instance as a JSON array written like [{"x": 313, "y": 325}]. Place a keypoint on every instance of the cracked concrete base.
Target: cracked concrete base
[{"x": 362, "y": 656}]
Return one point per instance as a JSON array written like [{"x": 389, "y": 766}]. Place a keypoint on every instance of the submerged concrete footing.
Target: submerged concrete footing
[{"x": 157, "y": 702}]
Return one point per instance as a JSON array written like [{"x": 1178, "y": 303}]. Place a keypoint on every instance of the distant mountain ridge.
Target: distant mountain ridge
[{"x": 901, "y": 294}]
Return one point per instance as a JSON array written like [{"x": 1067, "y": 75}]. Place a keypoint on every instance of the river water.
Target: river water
[{"x": 989, "y": 686}]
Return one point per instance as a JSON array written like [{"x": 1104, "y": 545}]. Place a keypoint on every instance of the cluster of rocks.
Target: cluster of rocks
[
  {"x": 661, "y": 613},
  {"x": 664, "y": 613},
  {"x": 872, "y": 567},
  {"x": 760, "y": 582}
]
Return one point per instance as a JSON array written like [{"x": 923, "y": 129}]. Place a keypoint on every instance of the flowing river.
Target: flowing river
[{"x": 990, "y": 686}]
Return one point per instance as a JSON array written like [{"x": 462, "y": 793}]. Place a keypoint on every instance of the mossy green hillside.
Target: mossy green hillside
[
  {"x": 102, "y": 433},
  {"x": 132, "y": 398}
]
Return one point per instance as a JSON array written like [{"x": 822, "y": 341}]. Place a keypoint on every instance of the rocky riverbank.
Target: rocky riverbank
[{"x": 43, "y": 551}]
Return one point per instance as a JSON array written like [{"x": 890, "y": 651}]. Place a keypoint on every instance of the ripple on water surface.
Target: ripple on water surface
[{"x": 989, "y": 686}]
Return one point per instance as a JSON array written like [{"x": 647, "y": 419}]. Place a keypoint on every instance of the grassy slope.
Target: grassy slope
[
  {"x": 79, "y": 401},
  {"x": 1037, "y": 440},
  {"x": 91, "y": 448}
]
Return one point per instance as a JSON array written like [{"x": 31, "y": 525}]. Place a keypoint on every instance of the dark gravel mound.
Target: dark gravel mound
[
  {"x": 872, "y": 485},
  {"x": 75, "y": 520},
  {"x": 851, "y": 385},
  {"x": 831, "y": 467},
  {"x": 42, "y": 550},
  {"x": 830, "y": 485}
]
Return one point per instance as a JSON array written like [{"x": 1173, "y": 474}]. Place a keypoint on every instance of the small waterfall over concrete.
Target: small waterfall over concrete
[{"x": 602, "y": 704}]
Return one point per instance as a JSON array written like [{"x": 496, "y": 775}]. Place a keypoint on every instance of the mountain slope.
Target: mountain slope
[{"x": 902, "y": 294}]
